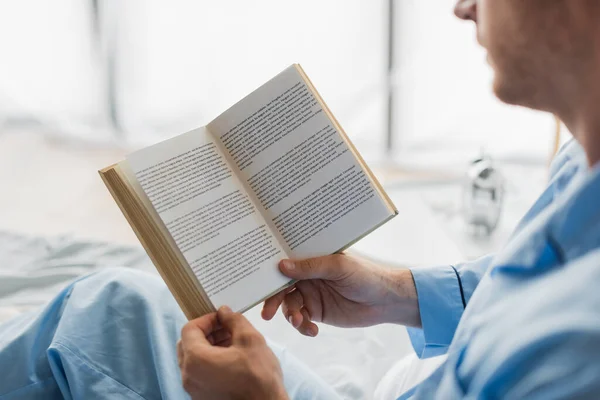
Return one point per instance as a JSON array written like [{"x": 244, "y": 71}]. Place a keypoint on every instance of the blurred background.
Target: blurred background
[
  {"x": 406, "y": 80},
  {"x": 139, "y": 71},
  {"x": 84, "y": 82}
]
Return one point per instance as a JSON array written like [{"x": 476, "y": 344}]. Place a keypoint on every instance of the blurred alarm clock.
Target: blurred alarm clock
[{"x": 483, "y": 196}]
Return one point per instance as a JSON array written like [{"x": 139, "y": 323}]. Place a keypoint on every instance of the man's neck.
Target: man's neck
[
  {"x": 591, "y": 145},
  {"x": 583, "y": 120}
]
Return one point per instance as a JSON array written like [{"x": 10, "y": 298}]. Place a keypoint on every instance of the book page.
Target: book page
[
  {"x": 290, "y": 155},
  {"x": 211, "y": 218}
]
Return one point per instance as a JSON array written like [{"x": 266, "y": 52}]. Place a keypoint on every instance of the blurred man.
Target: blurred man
[
  {"x": 523, "y": 323},
  {"x": 519, "y": 324}
]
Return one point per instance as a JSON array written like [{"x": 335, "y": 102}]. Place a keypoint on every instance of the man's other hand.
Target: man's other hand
[
  {"x": 222, "y": 356},
  {"x": 345, "y": 291}
]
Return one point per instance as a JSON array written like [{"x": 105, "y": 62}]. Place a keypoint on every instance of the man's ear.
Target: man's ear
[{"x": 466, "y": 10}]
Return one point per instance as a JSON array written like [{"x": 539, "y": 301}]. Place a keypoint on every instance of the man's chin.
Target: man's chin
[
  {"x": 505, "y": 92},
  {"x": 512, "y": 93}
]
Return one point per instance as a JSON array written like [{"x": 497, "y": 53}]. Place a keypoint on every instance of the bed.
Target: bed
[
  {"x": 53, "y": 231},
  {"x": 34, "y": 268}
]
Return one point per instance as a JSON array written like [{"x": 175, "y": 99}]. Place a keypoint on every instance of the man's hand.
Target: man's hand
[
  {"x": 344, "y": 291},
  {"x": 222, "y": 356}
]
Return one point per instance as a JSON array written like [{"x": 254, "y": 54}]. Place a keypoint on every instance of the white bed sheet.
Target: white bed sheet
[{"x": 33, "y": 269}]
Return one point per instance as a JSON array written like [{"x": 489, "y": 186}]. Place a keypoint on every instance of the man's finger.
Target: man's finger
[
  {"x": 292, "y": 304},
  {"x": 233, "y": 322},
  {"x": 272, "y": 304},
  {"x": 225, "y": 343},
  {"x": 197, "y": 330},
  {"x": 219, "y": 336},
  {"x": 307, "y": 327},
  {"x": 179, "y": 354},
  {"x": 327, "y": 267},
  {"x": 242, "y": 331}
]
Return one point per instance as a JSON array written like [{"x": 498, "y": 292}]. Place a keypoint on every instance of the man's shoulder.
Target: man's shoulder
[
  {"x": 581, "y": 277},
  {"x": 547, "y": 325},
  {"x": 569, "y": 297},
  {"x": 560, "y": 303},
  {"x": 550, "y": 349}
]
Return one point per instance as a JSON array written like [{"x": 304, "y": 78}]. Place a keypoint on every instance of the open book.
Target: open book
[{"x": 273, "y": 177}]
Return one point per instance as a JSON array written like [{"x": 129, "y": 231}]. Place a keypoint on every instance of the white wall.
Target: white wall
[
  {"x": 180, "y": 64},
  {"x": 49, "y": 69},
  {"x": 446, "y": 106},
  {"x": 176, "y": 65}
]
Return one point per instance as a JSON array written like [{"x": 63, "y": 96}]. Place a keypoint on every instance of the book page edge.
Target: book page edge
[
  {"x": 178, "y": 296},
  {"x": 141, "y": 196}
]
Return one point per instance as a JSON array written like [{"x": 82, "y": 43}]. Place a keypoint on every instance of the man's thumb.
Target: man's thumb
[
  {"x": 232, "y": 321},
  {"x": 241, "y": 330},
  {"x": 327, "y": 267}
]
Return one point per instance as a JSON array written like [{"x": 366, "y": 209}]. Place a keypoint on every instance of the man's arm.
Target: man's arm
[
  {"x": 442, "y": 294},
  {"x": 346, "y": 291},
  {"x": 543, "y": 346}
]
